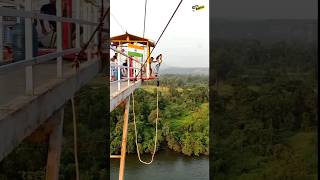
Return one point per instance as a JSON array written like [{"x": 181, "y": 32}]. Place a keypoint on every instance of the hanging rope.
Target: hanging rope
[
  {"x": 145, "y": 16},
  {"x": 157, "y": 118},
  {"x": 136, "y": 133},
  {"x": 75, "y": 145}
]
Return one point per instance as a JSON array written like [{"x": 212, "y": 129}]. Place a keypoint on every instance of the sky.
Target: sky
[{"x": 185, "y": 43}]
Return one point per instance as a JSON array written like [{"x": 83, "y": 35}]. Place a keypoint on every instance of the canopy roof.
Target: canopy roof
[{"x": 129, "y": 37}]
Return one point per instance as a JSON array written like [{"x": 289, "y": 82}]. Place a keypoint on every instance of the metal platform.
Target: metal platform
[
  {"x": 117, "y": 96},
  {"x": 21, "y": 114}
]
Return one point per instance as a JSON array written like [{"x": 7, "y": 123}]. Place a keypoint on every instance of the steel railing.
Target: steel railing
[
  {"x": 90, "y": 20},
  {"x": 120, "y": 73}
]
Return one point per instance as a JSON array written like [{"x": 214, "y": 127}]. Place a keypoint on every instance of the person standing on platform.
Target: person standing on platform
[
  {"x": 125, "y": 69},
  {"x": 49, "y": 9},
  {"x": 114, "y": 71},
  {"x": 157, "y": 67}
]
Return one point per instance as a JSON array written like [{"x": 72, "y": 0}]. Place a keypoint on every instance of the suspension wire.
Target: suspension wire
[
  {"x": 136, "y": 133},
  {"x": 118, "y": 22},
  {"x": 145, "y": 16},
  {"x": 159, "y": 38}
]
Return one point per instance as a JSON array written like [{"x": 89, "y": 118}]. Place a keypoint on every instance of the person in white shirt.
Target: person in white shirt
[{"x": 157, "y": 67}]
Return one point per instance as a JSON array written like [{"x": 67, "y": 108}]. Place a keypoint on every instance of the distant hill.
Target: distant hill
[
  {"x": 304, "y": 30},
  {"x": 181, "y": 70}
]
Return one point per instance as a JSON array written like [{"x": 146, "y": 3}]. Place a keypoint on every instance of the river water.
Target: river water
[{"x": 167, "y": 165}]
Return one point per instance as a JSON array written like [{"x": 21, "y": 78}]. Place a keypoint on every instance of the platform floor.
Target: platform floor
[
  {"x": 117, "y": 96},
  {"x": 114, "y": 87},
  {"x": 21, "y": 114},
  {"x": 12, "y": 82}
]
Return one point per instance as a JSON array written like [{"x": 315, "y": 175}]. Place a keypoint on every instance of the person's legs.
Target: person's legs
[
  {"x": 123, "y": 73},
  {"x": 157, "y": 70},
  {"x": 115, "y": 74},
  {"x": 150, "y": 69},
  {"x": 53, "y": 39}
]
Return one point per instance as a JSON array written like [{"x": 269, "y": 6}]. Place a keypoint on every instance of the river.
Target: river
[{"x": 167, "y": 165}]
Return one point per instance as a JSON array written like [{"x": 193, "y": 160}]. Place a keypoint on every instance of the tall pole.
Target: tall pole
[
  {"x": 145, "y": 16},
  {"x": 148, "y": 61},
  {"x": 55, "y": 146},
  {"x": 59, "y": 39},
  {"x": 124, "y": 139},
  {"x": 28, "y": 49},
  {"x": 1, "y": 39}
]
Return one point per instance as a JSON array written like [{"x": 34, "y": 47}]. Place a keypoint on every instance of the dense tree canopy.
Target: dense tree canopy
[
  {"x": 183, "y": 120},
  {"x": 264, "y": 110}
]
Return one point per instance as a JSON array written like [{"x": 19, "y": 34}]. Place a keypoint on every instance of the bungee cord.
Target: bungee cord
[{"x": 136, "y": 133}]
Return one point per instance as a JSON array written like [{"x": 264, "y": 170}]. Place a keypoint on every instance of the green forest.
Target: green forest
[
  {"x": 264, "y": 110},
  {"x": 183, "y": 124}
]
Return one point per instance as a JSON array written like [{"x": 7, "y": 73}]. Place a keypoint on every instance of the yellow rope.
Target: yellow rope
[
  {"x": 75, "y": 146},
  {"x": 136, "y": 133}
]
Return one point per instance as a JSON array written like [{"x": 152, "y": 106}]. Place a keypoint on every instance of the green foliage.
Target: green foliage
[
  {"x": 183, "y": 124},
  {"x": 264, "y": 111}
]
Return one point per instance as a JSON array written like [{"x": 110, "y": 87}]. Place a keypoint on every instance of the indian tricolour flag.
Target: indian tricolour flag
[{"x": 137, "y": 52}]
